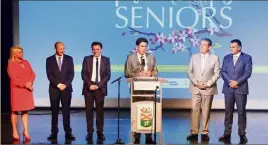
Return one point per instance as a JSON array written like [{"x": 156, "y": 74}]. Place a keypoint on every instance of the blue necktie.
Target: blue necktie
[
  {"x": 97, "y": 68},
  {"x": 59, "y": 62}
]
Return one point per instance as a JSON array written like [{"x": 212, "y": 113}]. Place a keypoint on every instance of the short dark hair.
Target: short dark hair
[
  {"x": 208, "y": 40},
  {"x": 237, "y": 41},
  {"x": 140, "y": 40},
  {"x": 96, "y": 43}
]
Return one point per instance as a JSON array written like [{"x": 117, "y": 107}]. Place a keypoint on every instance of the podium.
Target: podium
[{"x": 142, "y": 101}]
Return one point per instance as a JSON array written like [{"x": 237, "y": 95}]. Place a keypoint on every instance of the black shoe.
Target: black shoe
[
  {"x": 99, "y": 141},
  {"x": 192, "y": 137},
  {"x": 137, "y": 141},
  {"x": 101, "y": 136},
  {"x": 52, "y": 137},
  {"x": 225, "y": 138},
  {"x": 69, "y": 137},
  {"x": 205, "y": 137},
  {"x": 243, "y": 139},
  {"x": 137, "y": 137},
  {"x": 149, "y": 141}
]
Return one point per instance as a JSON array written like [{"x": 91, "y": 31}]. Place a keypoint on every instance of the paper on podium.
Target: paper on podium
[
  {"x": 161, "y": 80},
  {"x": 146, "y": 83}
]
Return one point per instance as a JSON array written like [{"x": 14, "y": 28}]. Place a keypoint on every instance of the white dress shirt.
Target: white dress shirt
[
  {"x": 144, "y": 57},
  {"x": 93, "y": 77},
  {"x": 57, "y": 58},
  {"x": 235, "y": 57},
  {"x": 204, "y": 58}
]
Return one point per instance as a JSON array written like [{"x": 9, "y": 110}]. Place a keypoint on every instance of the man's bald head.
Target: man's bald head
[{"x": 60, "y": 48}]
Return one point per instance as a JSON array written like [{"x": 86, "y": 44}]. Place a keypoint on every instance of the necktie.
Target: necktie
[
  {"x": 142, "y": 65},
  {"x": 97, "y": 70},
  {"x": 235, "y": 59},
  {"x": 59, "y": 62}
]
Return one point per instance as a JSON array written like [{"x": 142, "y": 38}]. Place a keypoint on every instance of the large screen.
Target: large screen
[{"x": 173, "y": 29}]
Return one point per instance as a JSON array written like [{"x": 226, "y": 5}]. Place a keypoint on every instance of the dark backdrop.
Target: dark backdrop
[{"x": 6, "y": 43}]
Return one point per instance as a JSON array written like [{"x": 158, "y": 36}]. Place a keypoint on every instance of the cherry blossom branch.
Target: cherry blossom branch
[
  {"x": 208, "y": 15},
  {"x": 190, "y": 50},
  {"x": 139, "y": 32},
  {"x": 220, "y": 34},
  {"x": 157, "y": 47},
  {"x": 151, "y": 49}
]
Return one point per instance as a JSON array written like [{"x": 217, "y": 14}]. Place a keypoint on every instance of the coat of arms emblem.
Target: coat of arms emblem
[{"x": 146, "y": 117}]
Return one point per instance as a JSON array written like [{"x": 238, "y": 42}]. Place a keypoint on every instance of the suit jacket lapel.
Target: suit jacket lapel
[
  {"x": 55, "y": 62},
  {"x": 239, "y": 59},
  {"x": 137, "y": 59},
  {"x": 148, "y": 61},
  {"x": 102, "y": 65},
  {"x": 90, "y": 66}
]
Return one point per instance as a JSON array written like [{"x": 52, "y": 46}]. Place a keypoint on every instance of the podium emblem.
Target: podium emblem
[{"x": 146, "y": 117}]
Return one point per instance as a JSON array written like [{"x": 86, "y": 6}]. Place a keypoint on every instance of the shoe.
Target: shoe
[
  {"x": 137, "y": 137},
  {"x": 69, "y": 137},
  {"x": 149, "y": 141},
  {"x": 243, "y": 139},
  {"x": 52, "y": 137},
  {"x": 225, "y": 137},
  {"x": 205, "y": 137},
  {"x": 27, "y": 138},
  {"x": 192, "y": 137},
  {"x": 89, "y": 137},
  {"x": 101, "y": 136},
  {"x": 16, "y": 138}
]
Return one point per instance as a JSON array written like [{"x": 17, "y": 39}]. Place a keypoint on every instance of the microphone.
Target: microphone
[{"x": 143, "y": 62}]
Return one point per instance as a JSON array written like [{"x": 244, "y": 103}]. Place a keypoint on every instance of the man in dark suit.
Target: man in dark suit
[
  {"x": 236, "y": 70},
  {"x": 96, "y": 72},
  {"x": 60, "y": 73}
]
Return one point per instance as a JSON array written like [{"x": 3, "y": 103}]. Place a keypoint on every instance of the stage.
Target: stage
[{"x": 176, "y": 126}]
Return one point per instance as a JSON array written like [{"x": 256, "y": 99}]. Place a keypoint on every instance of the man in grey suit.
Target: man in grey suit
[
  {"x": 203, "y": 72},
  {"x": 141, "y": 64}
]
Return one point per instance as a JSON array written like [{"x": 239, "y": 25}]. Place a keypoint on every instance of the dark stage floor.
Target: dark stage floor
[{"x": 176, "y": 126}]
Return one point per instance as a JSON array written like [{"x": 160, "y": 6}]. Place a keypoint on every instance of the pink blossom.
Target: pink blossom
[
  {"x": 182, "y": 36},
  {"x": 195, "y": 41},
  {"x": 213, "y": 28},
  {"x": 160, "y": 38},
  {"x": 178, "y": 47},
  {"x": 172, "y": 37},
  {"x": 191, "y": 31}
]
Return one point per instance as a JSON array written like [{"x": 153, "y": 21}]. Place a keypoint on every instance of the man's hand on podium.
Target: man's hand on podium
[
  {"x": 145, "y": 74},
  {"x": 148, "y": 73}
]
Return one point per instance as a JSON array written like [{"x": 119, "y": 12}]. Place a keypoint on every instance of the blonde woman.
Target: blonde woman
[{"x": 21, "y": 86}]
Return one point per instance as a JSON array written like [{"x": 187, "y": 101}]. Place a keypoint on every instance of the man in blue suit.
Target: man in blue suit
[
  {"x": 236, "y": 70},
  {"x": 60, "y": 73}
]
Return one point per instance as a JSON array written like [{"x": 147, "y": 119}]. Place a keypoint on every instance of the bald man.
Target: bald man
[{"x": 60, "y": 73}]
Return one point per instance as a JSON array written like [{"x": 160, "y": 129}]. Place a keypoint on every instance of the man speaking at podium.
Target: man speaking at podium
[{"x": 141, "y": 64}]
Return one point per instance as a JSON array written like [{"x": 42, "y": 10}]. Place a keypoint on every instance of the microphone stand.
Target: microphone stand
[
  {"x": 118, "y": 141},
  {"x": 155, "y": 113}
]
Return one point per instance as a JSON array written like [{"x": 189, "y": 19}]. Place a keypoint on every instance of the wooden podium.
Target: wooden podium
[{"x": 143, "y": 92}]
